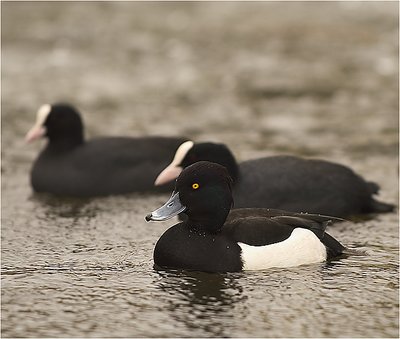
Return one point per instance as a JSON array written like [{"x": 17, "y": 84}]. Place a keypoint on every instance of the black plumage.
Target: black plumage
[
  {"x": 293, "y": 183},
  {"x": 209, "y": 239},
  {"x": 69, "y": 165}
]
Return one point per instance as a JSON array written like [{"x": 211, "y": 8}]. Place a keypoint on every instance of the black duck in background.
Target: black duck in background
[
  {"x": 285, "y": 182},
  {"x": 213, "y": 239},
  {"x": 71, "y": 166}
]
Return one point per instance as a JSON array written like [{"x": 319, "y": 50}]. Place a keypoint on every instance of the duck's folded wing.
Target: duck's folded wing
[
  {"x": 316, "y": 226},
  {"x": 261, "y": 230},
  {"x": 257, "y": 231},
  {"x": 269, "y": 213}
]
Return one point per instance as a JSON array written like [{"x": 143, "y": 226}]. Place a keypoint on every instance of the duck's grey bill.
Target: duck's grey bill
[{"x": 170, "y": 209}]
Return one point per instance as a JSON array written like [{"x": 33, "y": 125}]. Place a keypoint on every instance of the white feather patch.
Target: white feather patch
[
  {"x": 38, "y": 130},
  {"x": 42, "y": 114},
  {"x": 181, "y": 153},
  {"x": 302, "y": 247},
  {"x": 172, "y": 171}
]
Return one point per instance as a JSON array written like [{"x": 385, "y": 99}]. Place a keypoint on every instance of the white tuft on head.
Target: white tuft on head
[
  {"x": 173, "y": 170},
  {"x": 38, "y": 130},
  {"x": 302, "y": 247}
]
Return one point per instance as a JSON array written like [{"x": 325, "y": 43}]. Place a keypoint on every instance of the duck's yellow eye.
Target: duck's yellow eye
[{"x": 195, "y": 186}]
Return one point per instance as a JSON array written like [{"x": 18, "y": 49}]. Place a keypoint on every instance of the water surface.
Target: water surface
[{"x": 311, "y": 79}]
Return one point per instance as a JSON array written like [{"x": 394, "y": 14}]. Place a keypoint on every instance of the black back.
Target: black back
[{"x": 303, "y": 185}]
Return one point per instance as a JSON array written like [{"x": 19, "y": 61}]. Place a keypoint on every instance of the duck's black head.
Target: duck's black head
[
  {"x": 203, "y": 192},
  {"x": 189, "y": 153},
  {"x": 60, "y": 123}
]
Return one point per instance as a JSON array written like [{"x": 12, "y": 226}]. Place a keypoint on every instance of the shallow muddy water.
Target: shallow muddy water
[{"x": 310, "y": 79}]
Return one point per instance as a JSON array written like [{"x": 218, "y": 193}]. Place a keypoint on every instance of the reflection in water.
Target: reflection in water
[
  {"x": 64, "y": 207},
  {"x": 204, "y": 302}
]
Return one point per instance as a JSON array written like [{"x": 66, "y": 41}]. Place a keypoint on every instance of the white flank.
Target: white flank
[{"x": 302, "y": 247}]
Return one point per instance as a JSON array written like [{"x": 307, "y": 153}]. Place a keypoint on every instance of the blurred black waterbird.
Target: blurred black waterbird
[
  {"x": 285, "y": 182},
  {"x": 69, "y": 165},
  {"x": 215, "y": 239}
]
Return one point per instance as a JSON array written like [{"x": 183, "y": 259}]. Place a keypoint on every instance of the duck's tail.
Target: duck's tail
[
  {"x": 334, "y": 248},
  {"x": 378, "y": 206},
  {"x": 381, "y": 207}
]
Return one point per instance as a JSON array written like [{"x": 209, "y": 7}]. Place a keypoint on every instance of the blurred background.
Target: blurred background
[
  {"x": 307, "y": 78},
  {"x": 316, "y": 79}
]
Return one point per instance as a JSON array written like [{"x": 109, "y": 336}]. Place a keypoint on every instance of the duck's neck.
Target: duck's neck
[
  {"x": 207, "y": 223},
  {"x": 65, "y": 144}
]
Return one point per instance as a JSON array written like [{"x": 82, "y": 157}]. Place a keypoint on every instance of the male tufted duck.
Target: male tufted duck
[{"x": 214, "y": 239}]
